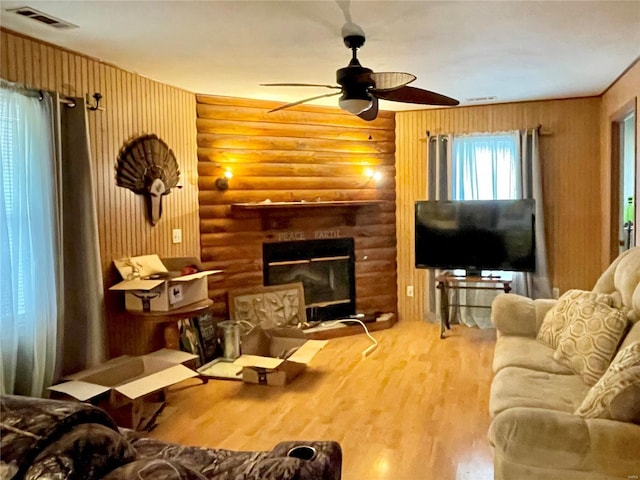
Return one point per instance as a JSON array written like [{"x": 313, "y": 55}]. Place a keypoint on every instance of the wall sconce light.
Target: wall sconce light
[
  {"x": 222, "y": 183},
  {"x": 372, "y": 174}
]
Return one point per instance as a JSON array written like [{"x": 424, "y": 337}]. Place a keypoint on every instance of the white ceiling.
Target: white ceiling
[{"x": 513, "y": 50}]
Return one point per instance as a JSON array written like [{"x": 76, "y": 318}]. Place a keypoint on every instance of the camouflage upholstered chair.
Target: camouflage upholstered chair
[{"x": 41, "y": 438}]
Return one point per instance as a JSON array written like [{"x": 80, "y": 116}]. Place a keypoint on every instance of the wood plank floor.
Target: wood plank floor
[{"x": 416, "y": 408}]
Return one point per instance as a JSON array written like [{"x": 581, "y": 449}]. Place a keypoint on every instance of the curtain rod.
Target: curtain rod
[
  {"x": 538, "y": 127},
  {"x": 67, "y": 100}
]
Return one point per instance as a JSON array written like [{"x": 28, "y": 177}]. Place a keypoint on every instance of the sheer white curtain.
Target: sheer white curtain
[
  {"x": 29, "y": 310},
  {"x": 485, "y": 167}
]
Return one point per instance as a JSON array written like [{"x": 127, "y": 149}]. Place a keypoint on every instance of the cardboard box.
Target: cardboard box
[
  {"x": 127, "y": 386},
  {"x": 159, "y": 286},
  {"x": 276, "y": 356}
]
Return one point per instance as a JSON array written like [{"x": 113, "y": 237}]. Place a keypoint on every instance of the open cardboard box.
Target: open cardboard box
[
  {"x": 126, "y": 386},
  {"x": 160, "y": 285},
  {"x": 276, "y": 356}
]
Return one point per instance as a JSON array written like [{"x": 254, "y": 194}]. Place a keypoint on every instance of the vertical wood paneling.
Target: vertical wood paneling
[
  {"x": 305, "y": 153},
  {"x": 133, "y": 106},
  {"x": 570, "y": 160},
  {"x": 411, "y": 185}
]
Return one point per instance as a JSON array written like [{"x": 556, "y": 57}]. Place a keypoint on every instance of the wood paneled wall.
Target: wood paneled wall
[
  {"x": 305, "y": 153},
  {"x": 134, "y": 105},
  {"x": 570, "y": 160},
  {"x": 622, "y": 97}
]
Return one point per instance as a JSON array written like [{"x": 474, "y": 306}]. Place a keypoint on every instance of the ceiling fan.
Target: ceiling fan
[{"x": 360, "y": 88}]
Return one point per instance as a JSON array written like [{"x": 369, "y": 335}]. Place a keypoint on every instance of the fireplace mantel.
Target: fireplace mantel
[{"x": 275, "y": 215}]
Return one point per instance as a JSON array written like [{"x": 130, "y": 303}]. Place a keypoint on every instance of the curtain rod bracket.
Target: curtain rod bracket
[{"x": 97, "y": 96}]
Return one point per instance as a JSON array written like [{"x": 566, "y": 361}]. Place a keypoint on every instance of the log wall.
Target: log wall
[{"x": 308, "y": 154}]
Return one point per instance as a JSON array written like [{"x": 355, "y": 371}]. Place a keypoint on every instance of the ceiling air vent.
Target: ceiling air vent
[
  {"x": 481, "y": 99},
  {"x": 42, "y": 17}
]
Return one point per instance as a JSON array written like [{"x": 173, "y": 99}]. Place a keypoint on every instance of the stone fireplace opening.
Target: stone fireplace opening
[{"x": 326, "y": 269}]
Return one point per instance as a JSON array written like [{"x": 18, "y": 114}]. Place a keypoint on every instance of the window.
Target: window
[{"x": 485, "y": 167}]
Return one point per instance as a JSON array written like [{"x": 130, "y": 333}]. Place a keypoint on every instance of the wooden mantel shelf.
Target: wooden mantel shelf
[
  {"x": 273, "y": 212},
  {"x": 262, "y": 206}
]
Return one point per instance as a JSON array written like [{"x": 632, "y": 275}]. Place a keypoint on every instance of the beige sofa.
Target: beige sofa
[{"x": 543, "y": 424}]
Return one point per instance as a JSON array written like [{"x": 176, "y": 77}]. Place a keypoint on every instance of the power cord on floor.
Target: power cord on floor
[{"x": 345, "y": 321}]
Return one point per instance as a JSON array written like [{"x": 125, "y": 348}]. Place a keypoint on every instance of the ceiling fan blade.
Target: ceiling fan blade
[
  {"x": 298, "y": 85},
  {"x": 304, "y": 101},
  {"x": 372, "y": 112},
  {"x": 417, "y": 95},
  {"x": 391, "y": 80}
]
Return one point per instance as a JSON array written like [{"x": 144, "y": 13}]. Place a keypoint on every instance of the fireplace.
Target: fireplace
[{"x": 326, "y": 269}]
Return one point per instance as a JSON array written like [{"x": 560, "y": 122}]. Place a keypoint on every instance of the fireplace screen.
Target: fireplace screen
[{"x": 324, "y": 267}]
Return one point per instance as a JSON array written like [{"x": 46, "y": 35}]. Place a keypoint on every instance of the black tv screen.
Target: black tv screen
[{"x": 475, "y": 235}]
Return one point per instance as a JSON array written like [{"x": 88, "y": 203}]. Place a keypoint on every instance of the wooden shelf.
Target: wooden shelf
[
  {"x": 188, "y": 311},
  {"x": 269, "y": 206},
  {"x": 274, "y": 213},
  {"x": 143, "y": 332}
]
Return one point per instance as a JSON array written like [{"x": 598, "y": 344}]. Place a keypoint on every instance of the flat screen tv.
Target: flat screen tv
[{"x": 475, "y": 235}]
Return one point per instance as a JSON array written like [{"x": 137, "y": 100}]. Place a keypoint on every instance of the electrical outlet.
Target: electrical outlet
[
  {"x": 177, "y": 235},
  {"x": 409, "y": 290},
  {"x": 556, "y": 292}
]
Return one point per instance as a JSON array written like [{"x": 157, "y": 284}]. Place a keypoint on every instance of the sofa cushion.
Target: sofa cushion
[
  {"x": 591, "y": 338},
  {"x": 632, "y": 336},
  {"x": 543, "y": 444},
  {"x": 154, "y": 469},
  {"x": 558, "y": 317},
  {"x": 87, "y": 451},
  {"x": 30, "y": 424},
  {"x": 616, "y": 395},
  {"x": 623, "y": 276},
  {"x": 522, "y": 387},
  {"x": 526, "y": 352}
]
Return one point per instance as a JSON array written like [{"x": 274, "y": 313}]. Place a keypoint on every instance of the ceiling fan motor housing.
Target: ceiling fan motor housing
[
  {"x": 354, "y": 41},
  {"x": 355, "y": 77}
]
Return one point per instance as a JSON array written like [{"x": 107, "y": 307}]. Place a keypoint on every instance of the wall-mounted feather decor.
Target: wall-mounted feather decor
[{"x": 147, "y": 166}]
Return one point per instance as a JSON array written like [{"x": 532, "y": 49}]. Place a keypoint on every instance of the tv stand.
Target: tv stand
[{"x": 448, "y": 282}]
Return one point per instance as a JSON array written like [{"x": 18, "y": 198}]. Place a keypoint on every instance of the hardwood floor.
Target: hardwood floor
[{"x": 414, "y": 409}]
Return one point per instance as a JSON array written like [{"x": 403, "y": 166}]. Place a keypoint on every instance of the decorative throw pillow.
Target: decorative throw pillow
[
  {"x": 615, "y": 396},
  {"x": 557, "y": 319},
  {"x": 591, "y": 338}
]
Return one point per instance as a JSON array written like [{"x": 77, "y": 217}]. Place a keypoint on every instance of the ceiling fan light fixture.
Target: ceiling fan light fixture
[{"x": 355, "y": 103}]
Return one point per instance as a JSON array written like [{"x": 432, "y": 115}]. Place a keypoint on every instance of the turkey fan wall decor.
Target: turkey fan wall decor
[{"x": 147, "y": 166}]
